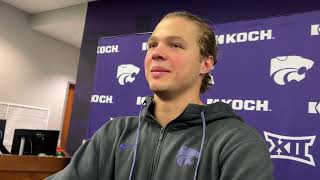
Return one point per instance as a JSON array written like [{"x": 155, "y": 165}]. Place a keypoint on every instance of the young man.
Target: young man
[{"x": 175, "y": 135}]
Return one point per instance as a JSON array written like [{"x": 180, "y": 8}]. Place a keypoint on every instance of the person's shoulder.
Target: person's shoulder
[
  {"x": 235, "y": 129},
  {"x": 115, "y": 127},
  {"x": 231, "y": 134},
  {"x": 120, "y": 122}
]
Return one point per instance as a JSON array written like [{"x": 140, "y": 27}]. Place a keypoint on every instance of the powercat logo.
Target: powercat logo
[
  {"x": 315, "y": 29},
  {"x": 295, "y": 148},
  {"x": 284, "y": 69},
  {"x": 245, "y": 37},
  {"x": 187, "y": 156},
  {"x": 127, "y": 73},
  {"x": 248, "y": 105}
]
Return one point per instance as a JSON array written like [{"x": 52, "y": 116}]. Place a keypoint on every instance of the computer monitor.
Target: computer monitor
[
  {"x": 3, "y": 149},
  {"x": 36, "y": 141},
  {"x": 2, "y": 129}
]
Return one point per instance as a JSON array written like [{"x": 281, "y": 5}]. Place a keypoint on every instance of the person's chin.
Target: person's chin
[{"x": 156, "y": 87}]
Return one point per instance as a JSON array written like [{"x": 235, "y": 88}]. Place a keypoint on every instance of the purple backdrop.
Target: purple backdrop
[{"x": 268, "y": 71}]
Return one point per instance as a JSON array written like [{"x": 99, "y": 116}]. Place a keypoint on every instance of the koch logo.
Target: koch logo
[
  {"x": 284, "y": 69},
  {"x": 104, "y": 99},
  {"x": 314, "y": 107},
  {"x": 248, "y": 105},
  {"x": 245, "y": 37},
  {"x": 291, "y": 148},
  {"x": 315, "y": 29},
  {"x": 108, "y": 49},
  {"x": 140, "y": 100},
  {"x": 144, "y": 46},
  {"x": 126, "y": 73}
]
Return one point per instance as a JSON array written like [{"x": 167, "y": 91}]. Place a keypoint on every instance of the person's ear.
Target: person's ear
[{"x": 206, "y": 64}]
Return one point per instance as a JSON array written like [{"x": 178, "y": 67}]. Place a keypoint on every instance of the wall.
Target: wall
[
  {"x": 109, "y": 18},
  {"x": 34, "y": 69}
]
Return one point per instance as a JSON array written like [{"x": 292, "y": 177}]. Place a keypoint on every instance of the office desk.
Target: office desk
[{"x": 14, "y": 167}]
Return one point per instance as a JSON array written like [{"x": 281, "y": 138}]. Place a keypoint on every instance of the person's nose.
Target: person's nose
[{"x": 159, "y": 53}]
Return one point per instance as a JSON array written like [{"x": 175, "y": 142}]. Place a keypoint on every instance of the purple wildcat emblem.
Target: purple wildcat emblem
[{"x": 186, "y": 156}]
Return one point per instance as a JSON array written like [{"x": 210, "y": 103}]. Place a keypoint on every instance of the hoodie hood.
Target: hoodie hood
[{"x": 191, "y": 115}]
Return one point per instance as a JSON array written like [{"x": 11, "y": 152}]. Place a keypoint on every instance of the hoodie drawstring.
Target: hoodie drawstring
[
  {"x": 202, "y": 143},
  {"x": 136, "y": 145},
  {"x": 137, "y": 141}
]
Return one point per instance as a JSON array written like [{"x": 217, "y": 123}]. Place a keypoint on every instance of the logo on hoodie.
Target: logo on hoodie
[
  {"x": 284, "y": 69},
  {"x": 124, "y": 146},
  {"x": 127, "y": 73},
  {"x": 295, "y": 148},
  {"x": 186, "y": 156}
]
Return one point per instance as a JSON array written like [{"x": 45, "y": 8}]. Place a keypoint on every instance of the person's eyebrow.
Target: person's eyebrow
[
  {"x": 152, "y": 38},
  {"x": 169, "y": 38},
  {"x": 172, "y": 38}
]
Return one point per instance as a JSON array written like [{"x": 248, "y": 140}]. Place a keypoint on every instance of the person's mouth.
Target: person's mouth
[{"x": 159, "y": 69}]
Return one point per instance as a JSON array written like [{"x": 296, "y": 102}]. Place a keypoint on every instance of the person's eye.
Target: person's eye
[
  {"x": 176, "y": 45},
  {"x": 152, "y": 45}
]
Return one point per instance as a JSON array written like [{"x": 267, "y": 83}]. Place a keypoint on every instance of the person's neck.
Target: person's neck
[{"x": 168, "y": 109}]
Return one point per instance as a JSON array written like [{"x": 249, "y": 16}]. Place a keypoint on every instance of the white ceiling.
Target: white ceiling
[
  {"x": 61, "y": 19},
  {"x": 37, "y": 6}
]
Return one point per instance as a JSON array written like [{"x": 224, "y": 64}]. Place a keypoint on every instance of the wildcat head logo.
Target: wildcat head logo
[
  {"x": 186, "y": 156},
  {"x": 126, "y": 73},
  {"x": 284, "y": 69}
]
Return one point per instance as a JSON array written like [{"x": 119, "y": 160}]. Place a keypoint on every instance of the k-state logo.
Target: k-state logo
[
  {"x": 315, "y": 29},
  {"x": 186, "y": 156},
  {"x": 291, "y": 148},
  {"x": 284, "y": 69},
  {"x": 314, "y": 107},
  {"x": 126, "y": 73}
]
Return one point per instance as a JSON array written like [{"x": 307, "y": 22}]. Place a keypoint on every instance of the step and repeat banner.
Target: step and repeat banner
[{"x": 268, "y": 70}]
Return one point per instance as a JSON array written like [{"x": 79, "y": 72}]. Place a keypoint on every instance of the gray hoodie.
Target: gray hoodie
[{"x": 205, "y": 142}]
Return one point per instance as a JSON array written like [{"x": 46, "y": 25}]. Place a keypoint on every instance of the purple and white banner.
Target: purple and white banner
[{"x": 268, "y": 70}]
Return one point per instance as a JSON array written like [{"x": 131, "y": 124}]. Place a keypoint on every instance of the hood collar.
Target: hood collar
[{"x": 191, "y": 115}]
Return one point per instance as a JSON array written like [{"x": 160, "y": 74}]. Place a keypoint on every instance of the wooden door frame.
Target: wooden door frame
[{"x": 64, "y": 130}]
